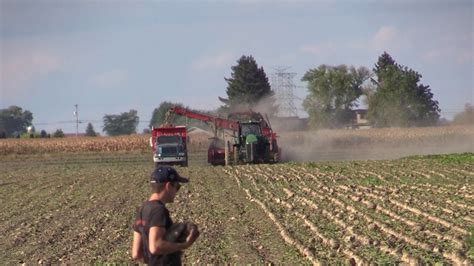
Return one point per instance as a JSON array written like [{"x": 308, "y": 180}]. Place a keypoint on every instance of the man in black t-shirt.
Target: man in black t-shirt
[{"x": 153, "y": 221}]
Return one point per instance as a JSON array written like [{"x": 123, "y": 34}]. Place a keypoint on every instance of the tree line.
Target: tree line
[{"x": 393, "y": 93}]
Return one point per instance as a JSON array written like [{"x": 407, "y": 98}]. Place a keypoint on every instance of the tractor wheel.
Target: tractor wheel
[
  {"x": 226, "y": 154},
  {"x": 253, "y": 153},
  {"x": 236, "y": 155}
]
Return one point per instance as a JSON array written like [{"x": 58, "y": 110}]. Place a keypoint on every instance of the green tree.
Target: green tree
[
  {"x": 248, "y": 87},
  {"x": 90, "y": 132},
  {"x": 159, "y": 114},
  {"x": 123, "y": 124},
  {"x": 399, "y": 99},
  {"x": 58, "y": 133},
  {"x": 14, "y": 121},
  {"x": 466, "y": 117},
  {"x": 43, "y": 134},
  {"x": 333, "y": 91}
]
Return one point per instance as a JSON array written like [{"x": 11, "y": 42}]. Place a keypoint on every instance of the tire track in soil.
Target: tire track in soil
[
  {"x": 329, "y": 243},
  {"x": 233, "y": 229},
  {"x": 421, "y": 201},
  {"x": 454, "y": 256},
  {"x": 334, "y": 198},
  {"x": 251, "y": 233},
  {"x": 346, "y": 230},
  {"x": 333, "y": 213},
  {"x": 284, "y": 233},
  {"x": 72, "y": 222},
  {"x": 383, "y": 206}
]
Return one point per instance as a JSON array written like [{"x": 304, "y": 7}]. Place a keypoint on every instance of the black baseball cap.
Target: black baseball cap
[{"x": 163, "y": 174}]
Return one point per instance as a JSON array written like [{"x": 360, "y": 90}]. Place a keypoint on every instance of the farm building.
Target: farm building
[{"x": 359, "y": 119}]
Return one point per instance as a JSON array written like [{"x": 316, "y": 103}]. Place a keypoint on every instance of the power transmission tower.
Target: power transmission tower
[{"x": 283, "y": 86}]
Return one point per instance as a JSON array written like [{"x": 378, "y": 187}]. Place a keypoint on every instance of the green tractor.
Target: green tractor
[{"x": 254, "y": 141}]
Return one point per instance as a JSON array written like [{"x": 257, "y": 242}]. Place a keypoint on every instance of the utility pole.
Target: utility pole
[{"x": 76, "y": 114}]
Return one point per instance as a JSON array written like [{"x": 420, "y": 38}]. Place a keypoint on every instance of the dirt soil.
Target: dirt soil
[{"x": 79, "y": 207}]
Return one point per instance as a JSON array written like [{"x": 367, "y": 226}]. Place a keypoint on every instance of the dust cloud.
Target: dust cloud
[
  {"x": 302, "y": 145},
  {"x": 374, "y": 144}
]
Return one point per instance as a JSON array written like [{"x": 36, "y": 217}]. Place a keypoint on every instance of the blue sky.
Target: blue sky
[{"x": 112, "y": 56}]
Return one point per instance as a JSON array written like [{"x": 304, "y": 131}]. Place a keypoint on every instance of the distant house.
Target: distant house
[{"x": 359, "y": 119}]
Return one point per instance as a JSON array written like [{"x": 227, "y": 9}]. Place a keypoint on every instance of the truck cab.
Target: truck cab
[{"x": 169, "y": 146}]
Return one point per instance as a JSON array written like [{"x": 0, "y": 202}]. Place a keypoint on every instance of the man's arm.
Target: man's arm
[
  {"x": 159, "y": 246},
  {"x": 136, "y": 247}
]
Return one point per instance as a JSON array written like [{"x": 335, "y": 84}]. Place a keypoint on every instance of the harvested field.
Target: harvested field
[{"x": 75, "y": 207}]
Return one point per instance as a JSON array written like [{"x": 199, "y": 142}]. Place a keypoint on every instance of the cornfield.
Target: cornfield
[
  {"x": 326, "y": 138},
  {"x": 75, "y": 144},
  {"x": 385, "y": 136}
]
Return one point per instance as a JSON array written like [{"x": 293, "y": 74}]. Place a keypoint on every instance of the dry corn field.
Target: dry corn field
[
  {"x": 73, "y": 144},
  {"x": 323, "y": 140},
  {"x": 69, "y": 201}
]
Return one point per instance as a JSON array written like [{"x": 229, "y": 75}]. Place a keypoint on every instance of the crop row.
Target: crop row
[{"x": 356, "y": 223}]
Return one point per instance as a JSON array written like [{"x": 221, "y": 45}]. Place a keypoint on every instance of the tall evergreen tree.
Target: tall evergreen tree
[
  {"x": 90, "y": 132},
  {"x": 384, "y": 64},
  {"x": 399, "y": 99},
  {"x": 248, "y": 87}
]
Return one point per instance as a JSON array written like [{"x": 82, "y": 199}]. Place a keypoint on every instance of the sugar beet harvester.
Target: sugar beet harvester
[{"x": 247, "y": 137}]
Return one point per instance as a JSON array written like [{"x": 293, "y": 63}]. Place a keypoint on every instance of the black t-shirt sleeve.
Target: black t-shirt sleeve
[{"x": 158, "y": 217}]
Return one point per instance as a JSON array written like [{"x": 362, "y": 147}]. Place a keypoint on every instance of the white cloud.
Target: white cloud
[
  {"x": 318, "y": 49},
  {"x": 450, "y": 47},
  {"x": 111, "y": 79},
  {"x": 213, "y": 62},
  {"x": 464, "y": 57},
  {"x": 386, "y": 37},
  {"x": 20, "y": 68},
  {"x": 432, "y": 54},
  {"x": 459, "y": 55}
]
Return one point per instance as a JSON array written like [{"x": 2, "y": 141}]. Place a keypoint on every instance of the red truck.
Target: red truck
[{"x": 169, "y": 145}]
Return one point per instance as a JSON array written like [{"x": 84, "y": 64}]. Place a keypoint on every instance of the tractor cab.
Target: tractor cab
[
  {"x": 251, "y": 144},
  {"x": 249, "y": 132}
]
